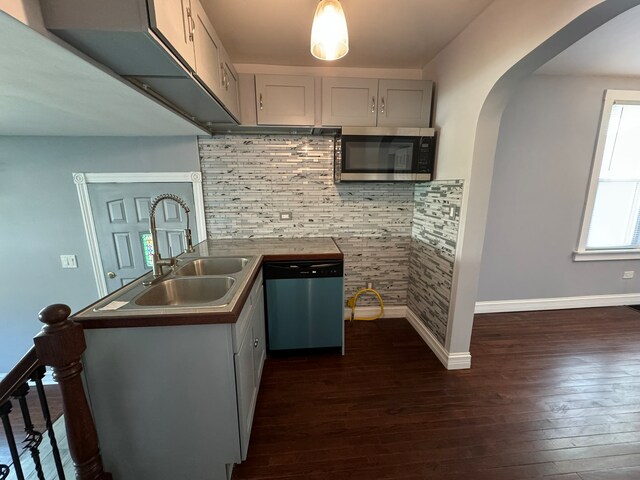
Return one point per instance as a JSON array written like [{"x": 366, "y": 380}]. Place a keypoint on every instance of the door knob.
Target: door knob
[
  {"x": 111, "y": 275},
  {"x": 255, "y": 343}
]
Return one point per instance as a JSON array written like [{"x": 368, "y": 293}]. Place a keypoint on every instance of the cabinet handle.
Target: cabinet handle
[
  {"x": 373, "y": 104},
  {"x": 260, "y": 101},
  {"x": 255, "y": 343},
  {"x": 192, "y": 24},
  {"x": 382, "y": 106}
]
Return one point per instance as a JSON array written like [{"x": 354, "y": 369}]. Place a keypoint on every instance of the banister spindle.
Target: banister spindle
[
  {"x": 60, "y": 345},
  {"x": 5, "y": 410},
  {"x": 37, "y": 376},
  {"x": 33, "y": 438}
]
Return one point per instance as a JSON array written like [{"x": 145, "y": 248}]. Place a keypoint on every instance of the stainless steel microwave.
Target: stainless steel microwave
[{"x": 375, "y": 154}]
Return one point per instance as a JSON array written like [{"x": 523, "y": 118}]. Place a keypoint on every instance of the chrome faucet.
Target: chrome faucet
[{"x": 157, "y": 261}]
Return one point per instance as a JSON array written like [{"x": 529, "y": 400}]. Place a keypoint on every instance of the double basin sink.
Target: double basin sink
[
  {"x": 200, "y": 281},
  {"x": 194, "y": 283}
]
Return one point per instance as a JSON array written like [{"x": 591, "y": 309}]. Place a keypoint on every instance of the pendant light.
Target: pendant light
[{"x": 329, "y": 35}]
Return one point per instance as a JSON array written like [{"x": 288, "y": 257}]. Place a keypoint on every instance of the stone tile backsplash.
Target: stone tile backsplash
[
  {"x": 249, "y": 180},
  {"x": 433, "y": 247}
]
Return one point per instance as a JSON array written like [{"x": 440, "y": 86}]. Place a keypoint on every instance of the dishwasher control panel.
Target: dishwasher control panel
[{"x": 306, "y": 269}]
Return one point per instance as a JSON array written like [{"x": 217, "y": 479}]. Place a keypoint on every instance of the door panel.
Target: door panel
[
  {"x": 124, "y": 252},
  {"x": 116, "y": 211},
  {"x": 121, "y": 219}
]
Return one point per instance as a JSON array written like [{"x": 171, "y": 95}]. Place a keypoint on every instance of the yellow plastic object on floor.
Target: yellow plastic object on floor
[{"x": 351, "y": 303}]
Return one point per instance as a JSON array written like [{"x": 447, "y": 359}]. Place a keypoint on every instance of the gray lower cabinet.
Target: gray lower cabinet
[
  {"x": 248, "y": 363},
  {"x": 177, "y": 401}
]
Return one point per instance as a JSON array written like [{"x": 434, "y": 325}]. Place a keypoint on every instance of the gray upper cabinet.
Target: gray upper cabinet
[
  {"x": 168, "y": 47},
  {"x": 208, "y": 50},
  {"x": 229, "y": 81},
  {"x": 366, "y": 102},
  {"x": 349, "y": 102},
  {"x": 285, "y": 100},
  {"x": 404, "y": 103},
  {"x": 173, "y": 21}
]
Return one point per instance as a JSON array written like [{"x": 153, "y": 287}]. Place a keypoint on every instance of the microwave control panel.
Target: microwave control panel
[{"x": 426, "y": 155}]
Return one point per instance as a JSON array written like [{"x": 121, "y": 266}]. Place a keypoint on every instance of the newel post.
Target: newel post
[{"x": 60, "y": 345}]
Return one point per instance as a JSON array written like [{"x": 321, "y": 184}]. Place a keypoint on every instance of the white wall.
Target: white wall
[
  {"x": 475, "y": 74},
  {"x": 540, "y": 179},
  {"x": 41, "y": 220}
]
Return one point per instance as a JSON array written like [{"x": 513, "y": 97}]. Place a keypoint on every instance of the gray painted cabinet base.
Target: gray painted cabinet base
[{"x": 164, "y": 399}]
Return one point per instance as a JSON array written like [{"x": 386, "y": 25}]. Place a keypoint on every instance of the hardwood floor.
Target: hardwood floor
[{"x": 552, "y": 395}]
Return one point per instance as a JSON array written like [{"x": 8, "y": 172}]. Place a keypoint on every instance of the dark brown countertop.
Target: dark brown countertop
[{"x": 264, "y": 249}]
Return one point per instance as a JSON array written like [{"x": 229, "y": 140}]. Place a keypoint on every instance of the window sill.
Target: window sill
[{"x": 601, "y": 255}]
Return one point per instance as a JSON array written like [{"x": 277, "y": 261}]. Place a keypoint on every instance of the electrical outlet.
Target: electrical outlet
[
  {"x": 627, "y": 274},
  {"x": 452, "y": 212},
  {"x": 68, "y": 261},
  {"x": 369, "y": 285},
  {"x": 286, "y": 216}
]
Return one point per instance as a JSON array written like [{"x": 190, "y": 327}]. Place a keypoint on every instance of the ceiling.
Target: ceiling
[
  {"x": 611, "y": 49},
  {"x": 47, "y": 90},
  {"x": 382, "y": 33}
]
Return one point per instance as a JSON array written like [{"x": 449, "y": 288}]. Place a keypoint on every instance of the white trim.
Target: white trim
[
  {"x": 451, "y": 361},
  {"x": 559, "y": 303},
  {"x": 82, "y": 179},
  {"x": 599, "y": 255},
  {"x": 395, "y": 311},
  {"x": 611, "y": 97}
]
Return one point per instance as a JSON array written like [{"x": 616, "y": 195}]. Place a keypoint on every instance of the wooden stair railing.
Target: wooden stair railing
[{"x": 59, "y": 345}]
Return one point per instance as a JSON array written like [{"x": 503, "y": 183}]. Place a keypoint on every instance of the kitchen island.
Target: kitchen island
[{"x": 173, "y": 390}]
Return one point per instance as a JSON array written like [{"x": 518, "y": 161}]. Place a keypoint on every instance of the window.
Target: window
[{"x": 611, "y": 226}]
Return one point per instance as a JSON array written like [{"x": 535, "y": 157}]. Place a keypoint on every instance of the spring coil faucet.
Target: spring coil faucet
[{"x": 157, "y": 261}]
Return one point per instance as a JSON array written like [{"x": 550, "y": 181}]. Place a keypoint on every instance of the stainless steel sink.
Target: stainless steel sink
[
  {"x": 186, "y": 291},
  {"x": 213, "y": 266}
]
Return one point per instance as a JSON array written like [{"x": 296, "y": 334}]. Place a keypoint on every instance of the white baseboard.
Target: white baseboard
[
  {"x": 392, "y": 311},
  {"x": 558, "y": 303},
  {"x": 451, "y": 361}
]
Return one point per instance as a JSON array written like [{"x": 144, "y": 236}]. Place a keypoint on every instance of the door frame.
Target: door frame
[{"x": 82, "y": 180}]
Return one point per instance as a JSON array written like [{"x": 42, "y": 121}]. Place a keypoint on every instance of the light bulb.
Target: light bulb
[{"x": 329, "y": 35}]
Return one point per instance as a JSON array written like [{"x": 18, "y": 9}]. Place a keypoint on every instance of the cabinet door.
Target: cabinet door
[
  {"x": 349, "y": 102},
  {"x": 172, "y": 21},
  {"x": 245, "y": 389},
  {"x": 208, "y": 49},
  {"x": 229, "y": 85},
  {"x": 285, "y": 100},
  {"x": 259, "y": 342},
  {"x": 404, "y": 103}
]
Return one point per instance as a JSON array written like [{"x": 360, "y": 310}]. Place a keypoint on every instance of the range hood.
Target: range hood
[{"x": 273, "y": 130}]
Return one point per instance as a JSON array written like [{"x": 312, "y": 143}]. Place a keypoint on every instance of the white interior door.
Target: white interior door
[{"x": 121, "y": 218}]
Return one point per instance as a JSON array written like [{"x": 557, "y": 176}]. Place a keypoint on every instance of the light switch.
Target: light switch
[{"x": 68, "y": 261}]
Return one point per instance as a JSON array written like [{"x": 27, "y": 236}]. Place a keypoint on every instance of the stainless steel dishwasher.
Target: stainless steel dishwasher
[{"x": 305, "y": 305}]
